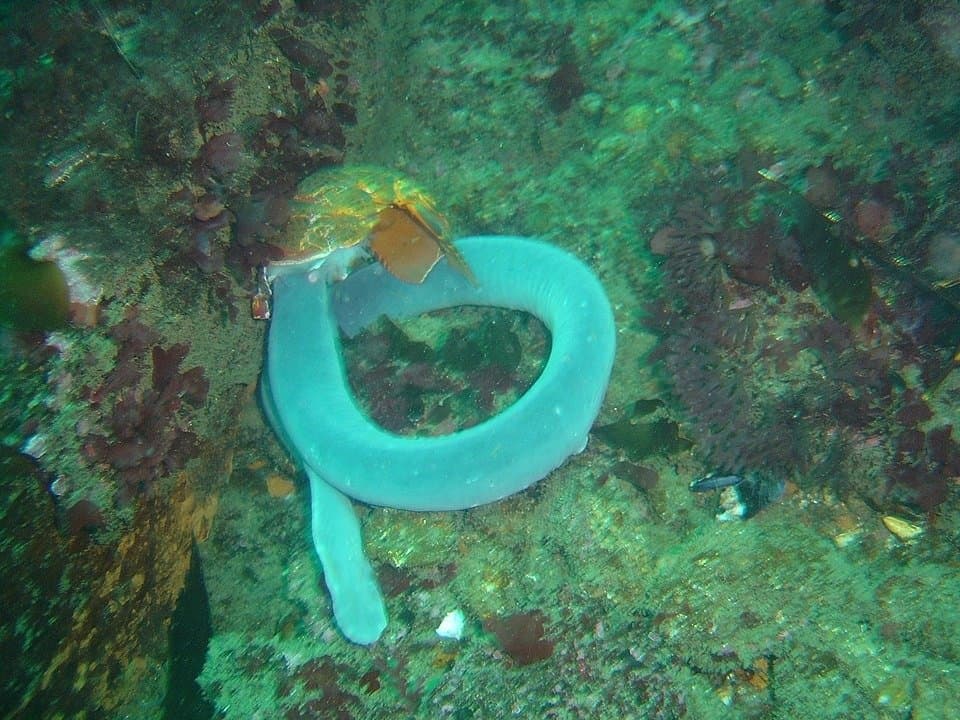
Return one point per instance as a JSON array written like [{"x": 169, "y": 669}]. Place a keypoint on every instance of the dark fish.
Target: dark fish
[
  {"x": 715, "y": 482},
  {"x": 742, "y": 497}
]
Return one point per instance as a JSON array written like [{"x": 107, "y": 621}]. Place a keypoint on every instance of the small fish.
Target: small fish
[
  {"x": 715, "y": 482},
  {"x": 742, "y": 497},
  {"x": 60, "y": 168}
]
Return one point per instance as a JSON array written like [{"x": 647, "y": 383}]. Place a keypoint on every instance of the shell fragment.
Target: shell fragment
[
  {"x": 452, "y": 625},
  {"x": 903, "y": 529}
]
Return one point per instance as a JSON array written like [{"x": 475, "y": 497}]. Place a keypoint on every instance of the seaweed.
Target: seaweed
[
  {"x": 841, "y": 279},
  {"x": 521, "y": 636},
  {"x": 641, "y": 440},
  {"x": 147, "y": 434}
]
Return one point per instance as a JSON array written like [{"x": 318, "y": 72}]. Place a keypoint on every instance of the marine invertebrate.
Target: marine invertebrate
[
  {"x": 345, "y": 455},
  {"x": 742, "y": 497}
]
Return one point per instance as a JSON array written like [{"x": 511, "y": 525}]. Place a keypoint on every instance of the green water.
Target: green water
[{"x": 766, "y": 190}]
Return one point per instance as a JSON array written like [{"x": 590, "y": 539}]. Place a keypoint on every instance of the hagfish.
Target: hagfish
[{"x": 345, "y": 455}]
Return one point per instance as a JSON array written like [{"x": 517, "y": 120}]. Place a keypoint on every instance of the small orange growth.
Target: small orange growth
[
  {"x": 758, "y": 676},
  {"x": 444, "y": 658},
  {"x": 407, "y": 248},
  {"x": 85, "y": 314},
  {"x": 847, "y": 522},
  {"x": 279, "y": 487},
  {"x": 321, "y": 89},
  {"x": 408, "y": 245},
  {"x": 258, "y": 464}
]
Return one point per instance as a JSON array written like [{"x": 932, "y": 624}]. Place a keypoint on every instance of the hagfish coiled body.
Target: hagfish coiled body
[{"x": 308, "y": 399}]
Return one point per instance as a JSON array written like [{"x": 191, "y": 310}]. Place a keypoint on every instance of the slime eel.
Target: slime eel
[{"x": 345, "y": 455}]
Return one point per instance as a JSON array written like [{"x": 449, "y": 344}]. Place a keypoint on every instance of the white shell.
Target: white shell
[{"x": 452, "y": 625}]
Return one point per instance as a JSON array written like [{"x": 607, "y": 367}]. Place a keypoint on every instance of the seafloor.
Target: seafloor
[{"x": 769, "y": 193}]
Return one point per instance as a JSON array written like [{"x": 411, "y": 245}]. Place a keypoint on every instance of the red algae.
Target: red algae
[{"x": 521, "y": 636}]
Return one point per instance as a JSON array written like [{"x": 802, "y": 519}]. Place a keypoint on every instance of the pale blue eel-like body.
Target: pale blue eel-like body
[{"x": 346, "y": 455}]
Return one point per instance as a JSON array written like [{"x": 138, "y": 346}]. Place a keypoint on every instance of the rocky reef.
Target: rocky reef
[{"x": 766, "y": 191}]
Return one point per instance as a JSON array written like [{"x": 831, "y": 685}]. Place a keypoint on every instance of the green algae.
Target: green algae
[
  {"x": 840, "y": 277},
  {"x": 640, "y": 440}
]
